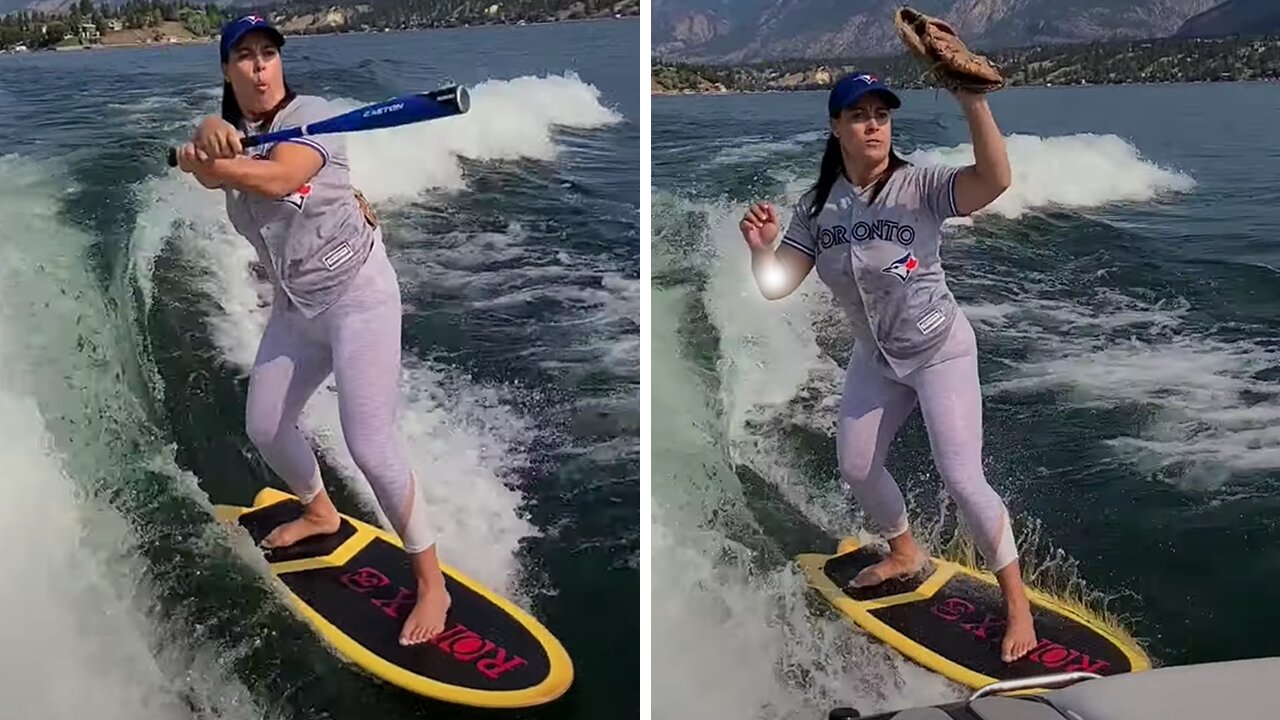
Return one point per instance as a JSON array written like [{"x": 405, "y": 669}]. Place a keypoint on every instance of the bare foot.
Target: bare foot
[
  {"x": 1020, "y": 634},
  {"x": 319, "y": 518},
  {"x": 1020, "y": 631},
  {"x": 427, "y": 618},
  {"x": 896, "y": 565}
]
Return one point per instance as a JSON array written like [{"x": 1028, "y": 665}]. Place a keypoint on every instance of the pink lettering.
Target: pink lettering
[
  {"x": 364, "y": 579},
  {"x": 471, "y": 648},
  {"x": 1039, "y": 648},
  {"x": 467, "y": 645},
  {"x": 953, "y": 609},
  {"x": 1058, "y": 656},
  {"x": 979, "y": 629},
  {"x": 455, "y": 630},
  {"x": 495, "y": 666},
  {"x": 452, "y": 642},
  {"x": 1050, "y": 654},
  {"x": 462, "y": 644},
  {"x": 1086, "y": 664},
  {"x": 392, "y": 606}
]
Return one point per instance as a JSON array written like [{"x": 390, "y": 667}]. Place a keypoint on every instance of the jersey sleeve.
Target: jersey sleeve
[
  {"x": 937, "y": 187},
  {"x": 799, "y": 234},
  {"x": 309, "y": 109}
]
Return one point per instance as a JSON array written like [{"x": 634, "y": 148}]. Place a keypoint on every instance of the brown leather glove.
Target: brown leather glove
[
  {"x": 950, "y": 64},
  {"x": 369, "y": 215}
]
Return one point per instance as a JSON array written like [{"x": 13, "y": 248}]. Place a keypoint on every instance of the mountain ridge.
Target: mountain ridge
[
  {"x": 1234, "y": 17},
  {"x": 714, "y": 31}
]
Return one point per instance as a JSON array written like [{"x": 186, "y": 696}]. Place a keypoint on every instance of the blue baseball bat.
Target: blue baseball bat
[{"x": 402, "y": 110}]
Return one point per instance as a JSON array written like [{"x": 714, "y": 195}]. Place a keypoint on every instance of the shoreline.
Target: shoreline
[
  {"x": 476, "y": 26},
  {"x": 1043, "y": 86},
  {"x": 1157, "y": 61},
  {"x": 210, "y": 39}
]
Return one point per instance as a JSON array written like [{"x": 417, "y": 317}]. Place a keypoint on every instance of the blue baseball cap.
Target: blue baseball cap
[
  {"x": 234, "y": 31},
  {"x": 849, "y": 90}
]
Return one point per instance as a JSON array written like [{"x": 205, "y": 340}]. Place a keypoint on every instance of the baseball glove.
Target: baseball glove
[{"x": 949, "y": 63}]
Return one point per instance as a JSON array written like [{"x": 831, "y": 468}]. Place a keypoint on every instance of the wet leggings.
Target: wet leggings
[
  {"x": 873, "y": 409},
  {"x": 358, "y": 340}
]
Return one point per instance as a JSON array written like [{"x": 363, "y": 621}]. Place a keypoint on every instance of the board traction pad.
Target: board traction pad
[
  {"x": 369, "y": 596},
  {"x": 260, "y": 523},
  {"x": 964, "y": 622}
]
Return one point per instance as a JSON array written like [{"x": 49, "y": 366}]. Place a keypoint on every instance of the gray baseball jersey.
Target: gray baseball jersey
[
  {"x": 883, "y": 262},
  {"x": 314, "y": 240}
]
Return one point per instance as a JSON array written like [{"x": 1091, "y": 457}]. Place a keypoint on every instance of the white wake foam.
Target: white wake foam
[
  {"x": 1071, "y": 171},
  {"x": 754, "y": 149},
  {"x": 78, "y": 638},
  {"x": 509, "y": 120},
  {"x": 769, "y": 354},
  {"x": 1216, "y": 402},
  {"x": 494, "y": 271}
]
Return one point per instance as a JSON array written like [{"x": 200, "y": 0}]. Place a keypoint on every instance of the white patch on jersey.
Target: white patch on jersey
[
  {"x": 337, "y": 256},
  {"x": 931, "y": 321}
]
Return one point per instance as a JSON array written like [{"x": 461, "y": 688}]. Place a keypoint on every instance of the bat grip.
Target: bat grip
[{"x": 245, "y": 142}]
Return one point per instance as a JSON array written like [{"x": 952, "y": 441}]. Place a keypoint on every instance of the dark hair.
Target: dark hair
[
  {"x": 833, "y": 165},
  {"x": 231, "y": 111}
]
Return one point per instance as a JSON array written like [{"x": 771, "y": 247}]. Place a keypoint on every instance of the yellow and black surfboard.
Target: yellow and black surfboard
[
  {"x": 356, "y": 587},
  {"x": 950, "y": 619}
]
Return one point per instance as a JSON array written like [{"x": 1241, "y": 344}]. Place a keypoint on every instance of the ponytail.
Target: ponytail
[
  {"x": 230, "y": 108},
  {"x": 833, "y": 165}
]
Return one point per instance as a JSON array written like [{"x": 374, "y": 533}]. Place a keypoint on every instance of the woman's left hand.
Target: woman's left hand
[
  {"x": 218, "y": 138},
  {"x": 191, "y": 159}
]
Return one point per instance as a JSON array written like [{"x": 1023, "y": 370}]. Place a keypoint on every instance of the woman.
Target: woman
[
  {"x": 872, "y": 227},
  {"x": 337, "y": 301}
]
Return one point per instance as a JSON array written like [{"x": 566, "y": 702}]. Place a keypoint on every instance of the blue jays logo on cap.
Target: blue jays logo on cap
[
  {"x": 849, "y": 90},
  {"x": 234, "y": 31}
]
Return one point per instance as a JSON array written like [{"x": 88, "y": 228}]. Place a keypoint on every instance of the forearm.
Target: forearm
[
  {"x": 264, "y": 177},
  {"x": 991, "y": 160},
  {"x": 764, "y": 267},
  {"x": 775, "y": 277},
  {"x": 206, "y": 180}
]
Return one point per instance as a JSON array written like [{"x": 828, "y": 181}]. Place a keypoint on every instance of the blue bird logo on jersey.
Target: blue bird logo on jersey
[
  {"x": 903, "y": 267},
  {"x": 298, "y": 197}
]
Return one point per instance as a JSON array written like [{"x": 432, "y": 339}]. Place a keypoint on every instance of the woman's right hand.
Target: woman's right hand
[
  {"x": 759, "y": 226},
  {"x": 217, "y": 138}
]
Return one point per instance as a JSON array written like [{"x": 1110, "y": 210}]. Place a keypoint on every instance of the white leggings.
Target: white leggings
[
  {"x": 873, "y": 409},
  {"x": 358, "y": 340}
]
